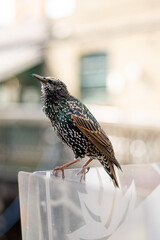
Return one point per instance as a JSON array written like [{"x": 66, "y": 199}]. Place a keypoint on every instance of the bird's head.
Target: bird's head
[{"x": 52, "y": 89}]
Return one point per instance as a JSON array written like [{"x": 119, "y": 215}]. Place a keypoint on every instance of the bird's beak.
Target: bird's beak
[{"x": 40, "y": 78}]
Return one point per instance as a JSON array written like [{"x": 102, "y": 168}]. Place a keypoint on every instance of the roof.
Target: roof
[{"x": 21, "y": 47}]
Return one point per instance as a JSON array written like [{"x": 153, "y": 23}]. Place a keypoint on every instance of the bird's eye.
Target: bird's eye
[{"x": 49, "y": 81}]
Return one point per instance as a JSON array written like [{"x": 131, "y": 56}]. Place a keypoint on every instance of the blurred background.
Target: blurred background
[{"x": 108, "y": 54}]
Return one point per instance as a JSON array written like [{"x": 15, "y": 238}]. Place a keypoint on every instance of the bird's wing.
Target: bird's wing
[{"x": 95, "y": 134}]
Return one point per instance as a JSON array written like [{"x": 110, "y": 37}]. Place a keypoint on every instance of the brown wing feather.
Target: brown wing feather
[{"x": 96, "y": 136}]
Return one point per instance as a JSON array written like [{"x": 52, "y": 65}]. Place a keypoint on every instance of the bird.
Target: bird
[{"x": 75, "y": 125}]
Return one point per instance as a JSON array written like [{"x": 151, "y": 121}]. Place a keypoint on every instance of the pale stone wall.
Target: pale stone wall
[{"x": 128, "y": 31}]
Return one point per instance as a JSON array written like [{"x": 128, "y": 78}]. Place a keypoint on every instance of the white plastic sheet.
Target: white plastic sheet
[{"x": 52, "y": 208}]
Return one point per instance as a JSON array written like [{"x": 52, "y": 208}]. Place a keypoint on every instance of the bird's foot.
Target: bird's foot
[
  {"x": 57, "y": 169},
  {"x": 83, "y": 172},
  {"x": 61, "y": 168}
]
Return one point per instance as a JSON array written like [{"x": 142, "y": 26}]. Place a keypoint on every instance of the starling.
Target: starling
[{"x": 77, "y": 127}]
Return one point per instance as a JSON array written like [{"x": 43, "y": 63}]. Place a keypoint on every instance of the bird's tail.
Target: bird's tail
[{"x": 109, "y": 168}]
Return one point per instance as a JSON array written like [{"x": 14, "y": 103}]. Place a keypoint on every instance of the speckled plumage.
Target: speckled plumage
[{"x": 76, "y": 126}]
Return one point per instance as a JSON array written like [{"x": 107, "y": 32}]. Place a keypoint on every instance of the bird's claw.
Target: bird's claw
[
  {"x": 83, "y": 172},
  {"x": 57, "y": 169}
]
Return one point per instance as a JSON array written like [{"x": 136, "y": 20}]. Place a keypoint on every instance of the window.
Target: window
[{"x": 93, "y": 72}]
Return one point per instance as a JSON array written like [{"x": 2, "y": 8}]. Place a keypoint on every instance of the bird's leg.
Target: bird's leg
[
  {"x": 84, "y": 168},
  {"x": 61, "y": 168}
]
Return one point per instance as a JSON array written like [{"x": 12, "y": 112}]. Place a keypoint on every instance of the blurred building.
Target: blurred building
[
  {"x": 24, "y": 33},
  {"x": 108, "y": 52}
]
